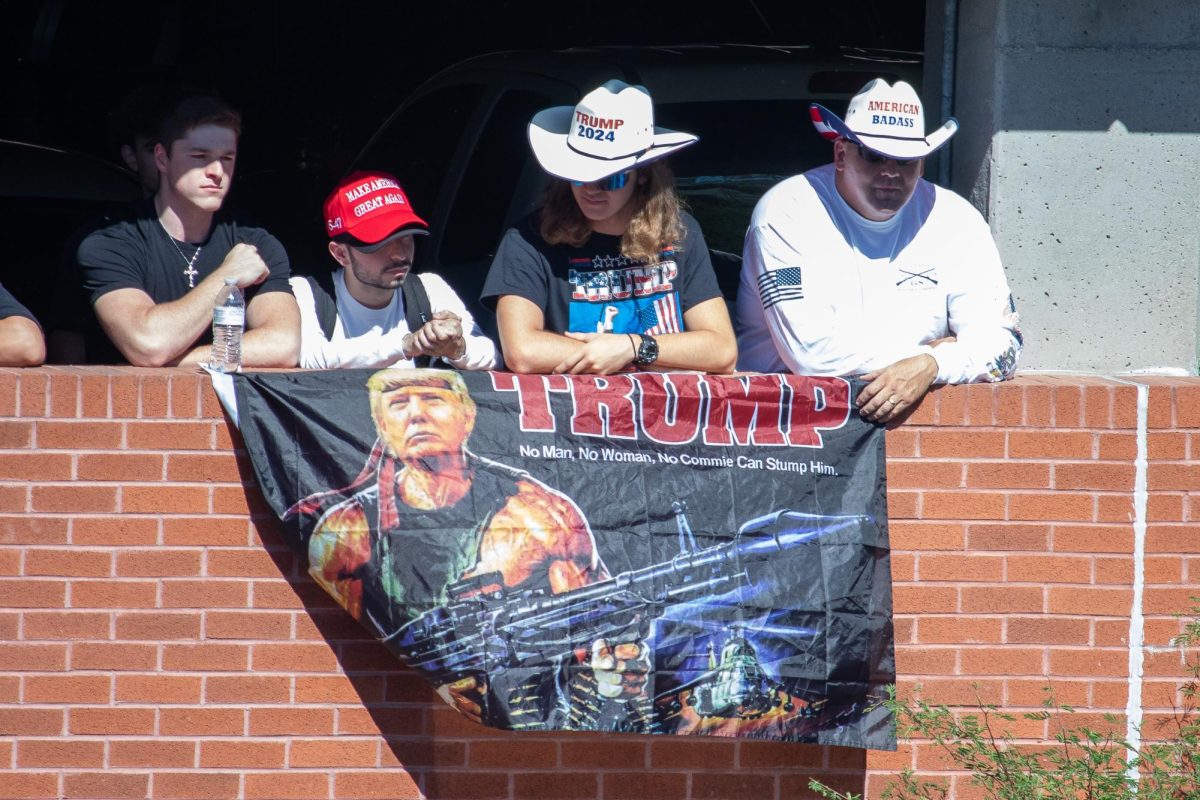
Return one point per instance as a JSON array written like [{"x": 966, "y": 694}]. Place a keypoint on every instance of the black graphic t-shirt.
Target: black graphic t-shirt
[{"x": 594, "y": 288}]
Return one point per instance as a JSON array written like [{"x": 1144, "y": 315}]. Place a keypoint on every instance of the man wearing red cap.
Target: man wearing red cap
[
  {"x": 356, "y": 317},
  {"x": 861, "y": 267},
  {"x": 154, "y": 276}
]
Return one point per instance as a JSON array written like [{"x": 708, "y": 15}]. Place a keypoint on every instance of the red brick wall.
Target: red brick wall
[{"x": 157, "y": 639}]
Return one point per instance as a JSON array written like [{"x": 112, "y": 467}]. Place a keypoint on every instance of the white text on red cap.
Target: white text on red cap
[
  {"x": 370, "y": 186},
  {"x": 377, "y": 202}
]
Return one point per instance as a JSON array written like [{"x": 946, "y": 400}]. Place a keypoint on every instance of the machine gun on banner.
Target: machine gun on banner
[{"x": 488, "y": 631}]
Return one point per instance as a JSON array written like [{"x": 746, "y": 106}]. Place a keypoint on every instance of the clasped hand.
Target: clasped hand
[
  {"x": 441, "y": 336},
  {"x": 601, "y": 354}
]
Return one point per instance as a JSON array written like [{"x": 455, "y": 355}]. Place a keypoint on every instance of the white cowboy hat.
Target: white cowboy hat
[
  {"x": 609, "y": 131},
  {"x": 886, "y": 119}
]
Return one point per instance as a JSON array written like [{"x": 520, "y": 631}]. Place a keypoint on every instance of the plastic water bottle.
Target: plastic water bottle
[{"x": 229, "y": 319}]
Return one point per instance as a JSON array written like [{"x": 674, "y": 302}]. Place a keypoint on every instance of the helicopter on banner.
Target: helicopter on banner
[{"x": 735, "y": 686}]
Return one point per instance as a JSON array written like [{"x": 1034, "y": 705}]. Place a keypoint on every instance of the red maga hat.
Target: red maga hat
[{"x": 368, "y": 208}]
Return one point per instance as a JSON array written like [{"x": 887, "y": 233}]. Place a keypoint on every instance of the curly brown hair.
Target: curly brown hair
[{"x": 654, "y": 227}]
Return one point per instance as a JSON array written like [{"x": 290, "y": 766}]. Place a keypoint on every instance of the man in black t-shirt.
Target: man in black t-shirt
[
  {"x": 72, "y": 333},
  {"x": 21, "y": 343},
  {"x": 154, "y": 275}
]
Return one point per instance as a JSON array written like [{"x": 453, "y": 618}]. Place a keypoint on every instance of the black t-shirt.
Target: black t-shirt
[
  {"x": 136, "y": 252},
  {"x": 10, "y": 307},
  {"x": 595, "y": 288}
]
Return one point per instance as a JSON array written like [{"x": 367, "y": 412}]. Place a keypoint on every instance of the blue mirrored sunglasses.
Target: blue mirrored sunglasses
[{"x": 609, "y": 184}]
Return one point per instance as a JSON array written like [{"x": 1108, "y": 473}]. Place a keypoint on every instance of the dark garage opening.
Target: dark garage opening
[{"x": 313, "y": 83}]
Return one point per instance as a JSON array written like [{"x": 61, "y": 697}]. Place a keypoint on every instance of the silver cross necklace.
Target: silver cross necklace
[{"x": 190, "y": 272}]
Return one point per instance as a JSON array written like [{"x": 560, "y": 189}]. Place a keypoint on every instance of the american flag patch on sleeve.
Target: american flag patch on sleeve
[{"x": 778, "y": 285}]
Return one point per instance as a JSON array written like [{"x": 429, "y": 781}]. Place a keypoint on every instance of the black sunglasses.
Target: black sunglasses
[{"x": 871, "y": 157}]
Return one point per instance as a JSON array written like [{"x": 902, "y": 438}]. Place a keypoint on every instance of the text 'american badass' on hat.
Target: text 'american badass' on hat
[
  {"x": 369, "y": 207},
  {"x": 609, "y": 131},
  {"x": 886, "y": 119}
]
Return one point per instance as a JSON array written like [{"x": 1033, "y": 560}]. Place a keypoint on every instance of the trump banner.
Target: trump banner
[{"x": 660, "y": 553}]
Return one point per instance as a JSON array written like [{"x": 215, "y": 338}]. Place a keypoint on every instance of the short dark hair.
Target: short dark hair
[{"x": 193, "y": 111}]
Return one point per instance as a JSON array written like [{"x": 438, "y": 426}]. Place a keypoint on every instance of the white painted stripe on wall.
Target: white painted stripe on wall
[{"x": 1137, "y": 619}]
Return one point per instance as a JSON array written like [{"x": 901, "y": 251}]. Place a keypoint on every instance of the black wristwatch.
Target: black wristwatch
[{"x": 647, "y": 352}]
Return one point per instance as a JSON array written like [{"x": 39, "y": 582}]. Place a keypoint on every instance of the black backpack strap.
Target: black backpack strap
[
  {"x": 417, "y": 310},
  {"x": 326, "y": 300}
]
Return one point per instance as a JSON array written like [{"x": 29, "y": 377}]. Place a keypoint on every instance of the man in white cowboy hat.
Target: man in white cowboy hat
[{"x": 862, "y": 268}]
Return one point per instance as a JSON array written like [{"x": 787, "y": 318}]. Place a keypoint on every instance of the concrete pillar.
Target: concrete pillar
[{"x": 1080, "y": 141}]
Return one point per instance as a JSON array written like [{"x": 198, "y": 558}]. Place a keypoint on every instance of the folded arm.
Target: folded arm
[
  {"x": 982, "y": 317},
  {"x": 528, "y": 347},
  {"x": 708, "y": 344},
  {"x": 372, "y": 350},
  {"x": 153, "y": 334},
  {"x": 452, "y": 335},
  {"x": 272, "y": 337},
  {"x": 21, "y": 342},
  {"x": 810, "y": 335}
]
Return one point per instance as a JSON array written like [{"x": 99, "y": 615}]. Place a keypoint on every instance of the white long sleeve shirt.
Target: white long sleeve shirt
[
  {"x": 372, "y": 338},
  {"x": 825, "y": 291}
]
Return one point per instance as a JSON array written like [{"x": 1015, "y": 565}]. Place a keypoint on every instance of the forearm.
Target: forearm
[
  {"x": 271, "y": 346},
  {"x": 480, "y": 353},
  {"x": 21, "y": 342},
  {"x": 263, "y": 347},
  {"x": 272, "y": 337},
  {"x": 981, "y": 313},
  {"x": 706, "y": 351},
  {"x": 982, "y": 356},
  {"x": 156, "y": 335},
  {"x": 536, "y": 352},
  {"x": 707, "y": 343},
  {"x": 986, "y": 328},
  {"x": 373, "y": 350}
]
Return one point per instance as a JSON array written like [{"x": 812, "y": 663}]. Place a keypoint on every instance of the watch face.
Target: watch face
[{"x": 648, "y": 351}]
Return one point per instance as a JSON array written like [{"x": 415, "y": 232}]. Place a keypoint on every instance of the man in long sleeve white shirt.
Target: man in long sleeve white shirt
[
  {"x": 371, "y": 227},
  {"x": 862, "y": 268}
]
